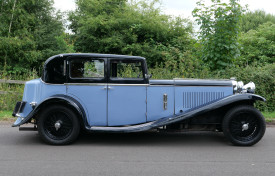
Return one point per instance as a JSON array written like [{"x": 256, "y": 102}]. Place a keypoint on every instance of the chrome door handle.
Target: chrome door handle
[
  {"x": 107, "y": 87},
  {"x": 165, "y": 101}
]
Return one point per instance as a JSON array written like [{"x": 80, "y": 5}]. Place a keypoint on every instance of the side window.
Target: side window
[
  {"x": 87, "y": 68},
  {"x": 126, "y": 69}
]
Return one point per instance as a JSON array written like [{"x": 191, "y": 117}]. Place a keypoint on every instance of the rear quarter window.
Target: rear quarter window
[{"x": 87, "y": 68}]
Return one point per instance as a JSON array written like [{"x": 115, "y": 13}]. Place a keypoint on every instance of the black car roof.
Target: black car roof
[{"x": 93, "y": 55}]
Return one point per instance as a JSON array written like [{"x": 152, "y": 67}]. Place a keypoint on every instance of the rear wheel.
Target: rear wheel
[
  {"x": 58, "y": 125},
  {"x": 244, "y": 125}
]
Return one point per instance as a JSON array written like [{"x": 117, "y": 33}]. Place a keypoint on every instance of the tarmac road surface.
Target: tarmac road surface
[{"x": 150, "y": 154}]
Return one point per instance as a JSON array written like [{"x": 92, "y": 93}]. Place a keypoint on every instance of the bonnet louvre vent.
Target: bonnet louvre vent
[{"x": 194, "y": 99}]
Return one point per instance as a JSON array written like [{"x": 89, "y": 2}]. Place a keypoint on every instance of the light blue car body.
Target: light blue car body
[
  {"x": 117, "y": 105},
  {"x": 143, "y": 105}
]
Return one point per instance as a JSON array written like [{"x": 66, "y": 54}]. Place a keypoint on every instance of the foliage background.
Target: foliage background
[{"x": 232, "y": 41}]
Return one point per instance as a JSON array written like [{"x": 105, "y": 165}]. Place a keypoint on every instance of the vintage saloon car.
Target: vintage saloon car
[{"x": 114, "y": 93}]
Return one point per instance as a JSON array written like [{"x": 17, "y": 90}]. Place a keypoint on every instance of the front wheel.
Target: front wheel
[
  {"x": 58, "y": 125},
  {"x": 244, "y": 125}
]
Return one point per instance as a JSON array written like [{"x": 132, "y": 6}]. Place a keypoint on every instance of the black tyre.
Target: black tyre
[
  {"x": 244, "y": 125},
  {"x": 58, "y": 125}
]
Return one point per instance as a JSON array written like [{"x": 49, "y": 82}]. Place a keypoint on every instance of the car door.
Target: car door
[
  {"x": 126, "y": 92},
  {"x": 87, "y": 83}
]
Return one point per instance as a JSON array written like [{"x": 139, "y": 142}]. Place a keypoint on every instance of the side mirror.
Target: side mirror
[{"x": 148, "y": 76}]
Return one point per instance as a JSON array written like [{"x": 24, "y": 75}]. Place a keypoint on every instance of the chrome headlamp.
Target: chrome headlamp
[
  {"x": 249, "y": 88},
  {"x": 234, "y": 84},
  {"x": 239, "y": 86}
]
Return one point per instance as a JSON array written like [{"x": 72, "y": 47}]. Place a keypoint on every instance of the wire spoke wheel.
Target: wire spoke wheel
[
  {"x": 58, "y": 125},
  {"x": 244, "y": 125}
]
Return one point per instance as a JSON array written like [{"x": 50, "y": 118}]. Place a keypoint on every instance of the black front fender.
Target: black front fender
[
  {"x": 54, "y": 99},
  {"x": 208, "y": 107}
]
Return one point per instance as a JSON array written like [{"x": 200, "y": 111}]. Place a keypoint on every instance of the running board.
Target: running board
[
  {"x": 27, "y": 128},
  {"x": 133, "y": 128}
]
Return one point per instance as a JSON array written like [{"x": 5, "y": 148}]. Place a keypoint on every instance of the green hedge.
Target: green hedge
[
  {"x": 262, "y": 76},
  {"x": 10, "y": 94}
]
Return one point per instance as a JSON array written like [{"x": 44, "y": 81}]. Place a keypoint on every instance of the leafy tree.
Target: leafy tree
[
  {"x": 30, "y": 32},
  {"x": 257, "y": 39},
  {"x": 131, "y": 28},
  {"x": 252, "y": 20},
  {"x": 219, "y": 30},
  {"x": 258, "y": 46}
]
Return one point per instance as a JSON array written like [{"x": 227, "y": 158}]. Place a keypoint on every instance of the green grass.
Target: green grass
[
  {"x": 5, "y": 115},
  {"x": 269, "y": 116}
]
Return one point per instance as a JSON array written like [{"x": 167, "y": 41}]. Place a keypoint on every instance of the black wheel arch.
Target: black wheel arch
[
  {"x": 63, "y": 100},
  {"x": 215, "y": 114}
]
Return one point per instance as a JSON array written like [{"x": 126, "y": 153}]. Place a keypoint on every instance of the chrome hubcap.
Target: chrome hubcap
[
  {"x": 245, "y": 126},
  {"x": 57, "y": 125}
]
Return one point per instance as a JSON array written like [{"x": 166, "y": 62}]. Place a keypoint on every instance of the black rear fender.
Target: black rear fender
[{"x": 60, "y": 100}]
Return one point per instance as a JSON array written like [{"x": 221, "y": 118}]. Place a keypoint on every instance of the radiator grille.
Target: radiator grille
[{"x": 194, "y": 99}]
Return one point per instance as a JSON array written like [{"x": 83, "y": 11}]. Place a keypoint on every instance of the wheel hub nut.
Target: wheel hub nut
[
  {"x": 245, "y": 126},
  {"x": 57, "y": 125}
]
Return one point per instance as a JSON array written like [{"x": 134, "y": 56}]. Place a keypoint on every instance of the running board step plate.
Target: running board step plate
[{"x": 27, "y": 128}]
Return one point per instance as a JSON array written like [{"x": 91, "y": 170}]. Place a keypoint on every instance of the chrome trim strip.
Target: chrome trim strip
[
  {"x": 110, "y": 84},
  {"x": 203, "y": 86},
  {"x": 172, "y": 85},
  {"x": 188, "y": 79},
  {"x": 104, "y": 84},
  {"x": 123, "y": 128},
  {"x": 86, "y": 84},
  {"x": 162, "y": 85}
]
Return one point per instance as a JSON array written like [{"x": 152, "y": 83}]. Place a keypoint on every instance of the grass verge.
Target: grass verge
[
  {"x": 269, "y": 116},
  {"x": 5, "y": 115}
]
